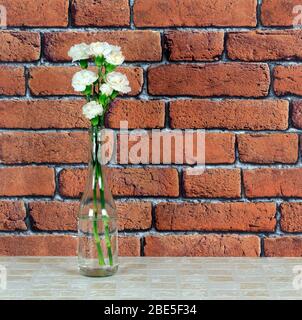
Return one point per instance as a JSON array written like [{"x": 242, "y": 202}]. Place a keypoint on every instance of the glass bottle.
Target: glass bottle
[{"x": 97, "y": 220}]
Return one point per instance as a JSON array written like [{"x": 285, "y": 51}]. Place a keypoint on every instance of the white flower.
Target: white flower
[
  {"x": 106, "y": 89},
  {"x": 99, "y": 49},
  {"x": 118, "y": 82},
  {"x": 92, "y": 109},
  {"x": 115, "y": 57},
  {"x": 79, "y": 52},
  {"x": 82, "y": 79}
]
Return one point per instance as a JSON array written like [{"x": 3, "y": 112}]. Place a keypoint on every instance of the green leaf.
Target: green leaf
[
  {"x": 109, "y": 67},
  {"x": 103, "y": 99},
  {"x": 95, "y": 121},
  {"x": 87, "y": 91},
  {"x": 99, "y": 61},
  {"x": 84, "y": 64},
  {"x": 114, "y": 95}
]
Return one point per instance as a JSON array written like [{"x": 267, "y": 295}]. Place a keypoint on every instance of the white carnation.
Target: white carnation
[
  {"x": 92, "y": 109},
  {"x": 106, "y": 89},
  {"x": 99, "y": 49},
  {"x": 118, "y": 82},
  {"x": 82, "y": 79},
  {"x": 79, "y": 52},
  {"x": 115, "y": 57}
]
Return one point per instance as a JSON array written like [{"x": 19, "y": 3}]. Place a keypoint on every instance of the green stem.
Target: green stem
[
  {"x": 105, "y": 219},
  {"x": 96, "y": 231},
  {"x": 95, "y": 220},
  {"x": 99, "y": 176}
]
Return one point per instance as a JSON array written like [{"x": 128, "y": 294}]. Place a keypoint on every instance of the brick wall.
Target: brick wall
[{"x": 231, "y": 68}]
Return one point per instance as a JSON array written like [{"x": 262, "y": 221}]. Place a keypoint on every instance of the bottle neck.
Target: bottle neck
[{"x": 95, "y": 145}]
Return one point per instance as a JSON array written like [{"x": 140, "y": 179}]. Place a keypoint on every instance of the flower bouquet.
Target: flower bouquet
[{"x": 97, "y": 217}]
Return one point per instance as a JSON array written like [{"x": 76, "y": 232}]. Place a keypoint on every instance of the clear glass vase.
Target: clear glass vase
[{"x": 97, "y": 220}]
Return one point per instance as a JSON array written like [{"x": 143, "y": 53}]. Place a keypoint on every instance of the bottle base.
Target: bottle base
[{"x": 98, "y": 272}]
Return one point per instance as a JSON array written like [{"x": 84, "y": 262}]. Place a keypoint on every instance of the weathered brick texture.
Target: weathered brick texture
[
  {"x": 36, "y": 13},
  {"x": 203, "y": 245},
  {"x": 101, "y": 13},
  {"x": 265, "y": 45},
  {"x": 212, "y": 183},
  {"x": 125, "y": 182},
  {"x": 219, "y": 79},
  {"x": 233, "y": 216},
  {"x": 194, "y": 13},
  {"x": 275, "y": 13},
  {"x": 283, "y": 247},
  {"x": 27, "y": 181},
  {"x": 12, "y": 81},
  {"x": 229, "y": 114},
  {"x": 136, "y": 45},
  {"x": 273, "y": 182},
  {"x": 19, "y": 46},
  {"x": 62, "y": 216},
  {"x": 291, "y": 217},
  {"x": 12, "y": 215},
  {"x": 194, "y": 46},
  {"x": 263, "y": 148},
  {"x": 229, "y": 68}
]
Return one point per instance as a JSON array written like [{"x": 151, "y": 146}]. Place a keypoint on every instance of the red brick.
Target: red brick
[
  {"x": 230, "y": 114},
  {"x": 278, "y": 12},
  {"x": 144, "y": 182},
  {"x": 140, "y": 114},
  {"x": 12, "y": 216},
  {"x": 297, "y": 114},
  {"x": 139, "y": 45},
  {"x": 38, "y": 245},
  {"x": 42, "y": 114},
  {"x": 194, "y": 13},
  {"x": 12, "y": 81},
  {"x": 62, "y": 216},
  {"x": 170, "y": 147},
  {"x": 288, "y": 80},
  {"x": 54, "y": 80},
  {"x": 268, "y": 148},
  {"x": 212, "y": 183},
  {"x": 265, "y": 45},
  {"x": 27, "y": 181},
  {"x": 219, "y": 79},
  {"x": 273, "y": 182},
  {"x": 125, "y": 182},
  {"x": 210, "y": 245},
  {"x": 54, "y": 215},
  {"x": 129, "y": 246},
  {"x": 19, "y": 46},
  {"x": 72, "y": 182},
  {"x": 36, "y": 13},
  {"x": 67, "y": 114},
  {"x": 134, "y": 215},
  {"x": 104, "y": 13},
  {"x": 56, "y": 245},
  {"x": 21, "y": 147},
  {"x": 194, "y": 45},
  {"x": 291, "y": 217},
  {"x": 219, "y": 148},
  {"x": 283, "y": 247},
  {"x": 232, "y": 216}
]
